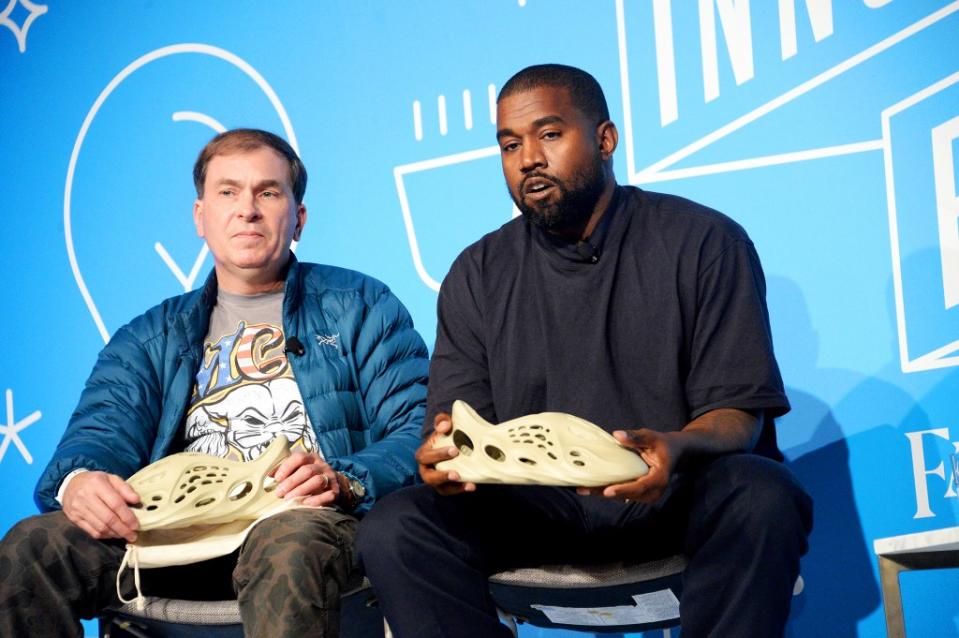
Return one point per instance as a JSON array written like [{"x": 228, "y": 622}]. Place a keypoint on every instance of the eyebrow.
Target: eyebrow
[
  {"x": 543, "y": 121},
  {"x": 267, "y": 183}
]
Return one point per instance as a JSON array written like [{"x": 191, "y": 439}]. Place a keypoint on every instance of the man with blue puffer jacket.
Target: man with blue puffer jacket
[{"x": 269, "y": 347}]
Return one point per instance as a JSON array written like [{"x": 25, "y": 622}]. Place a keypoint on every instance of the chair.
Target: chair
[
  {"x": 171, "y": 618},
  {"x": 610, "y": 598}
]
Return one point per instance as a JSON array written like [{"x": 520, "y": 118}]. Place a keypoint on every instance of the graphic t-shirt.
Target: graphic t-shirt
[{"x": 245, "y": 394}]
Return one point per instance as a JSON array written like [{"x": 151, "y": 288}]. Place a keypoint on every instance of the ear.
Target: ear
[
  {"x": 300, "y": 221},
  {"x": 198, "y": 218},
  {"x": 607, "y": 138}
]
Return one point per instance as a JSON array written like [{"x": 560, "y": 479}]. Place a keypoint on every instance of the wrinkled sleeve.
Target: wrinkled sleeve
[
  {"x": 392, "y": 365},
  {"x": 115, "y": 420},
  {"x": 459, "y": 367},
  {"x": 732, "y": 364}
]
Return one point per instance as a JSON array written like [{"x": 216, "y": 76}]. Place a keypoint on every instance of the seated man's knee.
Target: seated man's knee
[
  {"x": 299, "y": 545},
  {"x": 306, "y": 530},
  {"x": 760, "y": 490},
  {"x": 28, "y": 539},
  {"x": 381, "y": 531}
]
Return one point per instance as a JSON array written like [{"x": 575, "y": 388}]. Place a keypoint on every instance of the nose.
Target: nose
[
  {"x": 246, "y": 206},
  {"x": 532, "y": 156}
]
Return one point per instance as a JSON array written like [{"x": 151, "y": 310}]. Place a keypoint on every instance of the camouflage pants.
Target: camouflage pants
[{"x": 287, "y": 576}]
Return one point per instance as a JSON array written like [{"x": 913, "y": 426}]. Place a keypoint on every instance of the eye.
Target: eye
[
  {"x": 270, "y": 194},
  {"x": 227, "y": 192},
  {"x": 551, "y": 135},
  {"x": 509, "y": 147}
]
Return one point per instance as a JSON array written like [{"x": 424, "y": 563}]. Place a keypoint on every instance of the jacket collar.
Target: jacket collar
[{"x": 196, "y": 318}]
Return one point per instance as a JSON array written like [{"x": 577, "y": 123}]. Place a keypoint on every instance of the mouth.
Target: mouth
[{"x": 536, "y": 188}]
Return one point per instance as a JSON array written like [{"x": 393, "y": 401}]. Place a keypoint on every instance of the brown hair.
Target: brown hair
[{"x": 249, "y": 139}]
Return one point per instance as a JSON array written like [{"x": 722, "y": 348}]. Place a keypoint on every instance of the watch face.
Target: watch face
[{"x": 357, "y": 488}]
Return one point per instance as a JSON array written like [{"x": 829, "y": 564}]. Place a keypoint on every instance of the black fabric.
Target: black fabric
[
  {"x": 742, "y": 520},
  {"x": 667, "y": 323}
]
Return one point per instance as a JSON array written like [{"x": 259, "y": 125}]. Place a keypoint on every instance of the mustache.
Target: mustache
[{"x": 537, "y": 174}]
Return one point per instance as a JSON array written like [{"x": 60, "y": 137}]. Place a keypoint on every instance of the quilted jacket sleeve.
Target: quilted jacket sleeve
[
  {"x": 115, "y": 421},
  {"x": 392, "y": 364}
]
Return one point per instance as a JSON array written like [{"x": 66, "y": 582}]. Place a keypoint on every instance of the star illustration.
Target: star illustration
[
  {"x": 11, "y": 430},
  {"x": 20, "y": 33}
]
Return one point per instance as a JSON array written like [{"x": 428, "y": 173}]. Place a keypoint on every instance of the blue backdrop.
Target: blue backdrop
[{"x": 830, "y": 130}]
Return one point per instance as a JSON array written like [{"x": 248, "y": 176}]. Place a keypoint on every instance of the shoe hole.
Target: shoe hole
[
  {"x": 494, "y": 453},
  {"x": 269, "y": 484},
  {"x": 156, "y": 498},
  {"x": 462, "y": 442},
  {"x": 199, "y": 468},
  {"x": 527, "y": 461},
  {"x": 150, "y": 508},
  {"x": 578, "y": 463},
  {"x": 574, "y": 453},
  {"x": 240, "y": 490},
  {"x": 540, "y": 437},
  {"x": 204, "y": 502},
  {"x": 551, "y": 455},
  {"x": 179, "y": 498}
]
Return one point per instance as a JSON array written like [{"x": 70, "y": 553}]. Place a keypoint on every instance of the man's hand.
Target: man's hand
[
  {"x": 99, "y": 504},
  {"x": 717, "y": 432},
  {"x": 427, "y": 456},
  {"x": 659, "y": 450},
  {"x": 306, "y": 474}
]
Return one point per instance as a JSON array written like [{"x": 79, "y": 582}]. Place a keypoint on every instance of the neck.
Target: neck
[
  {"x": 585, "y": 229},
  {"x": 249, "y": 288},
  {"x": 250, "y": 281}
]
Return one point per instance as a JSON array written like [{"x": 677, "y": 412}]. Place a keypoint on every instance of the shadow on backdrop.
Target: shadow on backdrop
[{"x": 840, "y": 587}]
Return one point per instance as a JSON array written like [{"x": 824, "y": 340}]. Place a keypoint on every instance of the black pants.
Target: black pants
[
  {"x": 742, "y": 521},
  {"x": 287, "y": 576}
]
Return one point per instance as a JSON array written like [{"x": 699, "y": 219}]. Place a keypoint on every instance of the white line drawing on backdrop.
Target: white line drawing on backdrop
[
  {"x": 12, "y": 429},
  {"x": 156, "y": 54},
  {"x": 20, "y": 32},
  {"x": 657, "y": 171},
  {"x": 442, "y": 114},
  {"x": 944, "y": 356},
  {"x": 187, "y": 280},
  {"x": 400, "y": 171}
]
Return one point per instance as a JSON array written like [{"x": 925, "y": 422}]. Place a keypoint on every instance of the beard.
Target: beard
[{"x": 575, "y": 203}]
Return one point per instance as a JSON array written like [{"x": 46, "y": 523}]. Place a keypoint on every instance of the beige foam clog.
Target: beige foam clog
[
  {"x": 190, "y": 488},
  {"x": 550, "y": 448},
  {"x": 195, "y": 507}
]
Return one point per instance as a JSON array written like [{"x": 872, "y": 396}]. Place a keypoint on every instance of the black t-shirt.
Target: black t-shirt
[{"x": 668, "y": 323}]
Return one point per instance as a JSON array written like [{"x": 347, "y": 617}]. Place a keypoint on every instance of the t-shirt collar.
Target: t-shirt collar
[{"x": 588, "y": 250}]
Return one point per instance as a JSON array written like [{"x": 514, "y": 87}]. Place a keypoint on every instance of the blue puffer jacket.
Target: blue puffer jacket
[{"x": 365, "y": 395}]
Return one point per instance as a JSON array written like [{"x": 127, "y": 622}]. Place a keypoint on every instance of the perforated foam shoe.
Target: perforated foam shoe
[
  {"x": 190, "y": 488},
  {"x": 550, "y": 448},
  {"x": 195, "y": 507}
]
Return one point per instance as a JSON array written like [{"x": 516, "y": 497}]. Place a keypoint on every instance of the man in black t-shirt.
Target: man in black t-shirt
[{"x": 643, "y": 313}]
